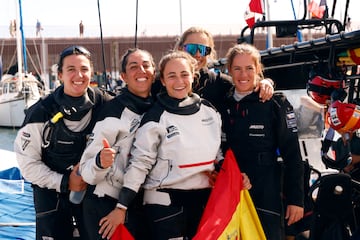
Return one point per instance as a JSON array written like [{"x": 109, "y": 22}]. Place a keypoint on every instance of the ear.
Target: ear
[
  {"x": 162, "y": 82},
  {"x": 123, "y": 77},
  {"x": 228, "y": 70}
]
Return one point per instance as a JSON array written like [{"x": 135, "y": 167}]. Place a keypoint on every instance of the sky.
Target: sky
[{"x": 61, "y": 18}]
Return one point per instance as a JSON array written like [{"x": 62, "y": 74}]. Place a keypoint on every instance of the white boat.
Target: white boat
[
  {"x": 16, "y": 96},
  {"x": 20, "y": 91}
]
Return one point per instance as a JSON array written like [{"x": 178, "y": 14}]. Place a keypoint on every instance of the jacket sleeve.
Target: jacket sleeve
[
  {"x": 27, "y": 146},
  {"x": 90, "y": 170},
  {"x": 290, "y": 151},
  {"x": 143, "y": 158}
]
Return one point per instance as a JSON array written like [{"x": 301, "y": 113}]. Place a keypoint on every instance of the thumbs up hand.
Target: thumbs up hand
[
  {"x": 107, "y": 154},
  {"x": 106, "y": 143}
]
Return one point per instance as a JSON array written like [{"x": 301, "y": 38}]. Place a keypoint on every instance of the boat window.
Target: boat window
[
  {"x": 309, "y": 114},
  {"x": 13, "y": 88},
  {"x": 6, "y": 88}
]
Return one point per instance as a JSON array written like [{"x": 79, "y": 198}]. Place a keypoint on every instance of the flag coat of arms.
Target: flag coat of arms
[{"x": 230, "y": 213}]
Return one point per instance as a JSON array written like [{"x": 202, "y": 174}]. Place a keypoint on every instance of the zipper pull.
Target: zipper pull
[{"x": 56, "y": 117}]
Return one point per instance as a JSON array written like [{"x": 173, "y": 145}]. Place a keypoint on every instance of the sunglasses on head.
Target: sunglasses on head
[
  {"x": 74, "y": 50},
  {"x": 193, "y": 48}
]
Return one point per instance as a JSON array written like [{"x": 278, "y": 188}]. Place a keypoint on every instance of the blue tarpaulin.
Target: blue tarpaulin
[{"x": 17, "y": 214}]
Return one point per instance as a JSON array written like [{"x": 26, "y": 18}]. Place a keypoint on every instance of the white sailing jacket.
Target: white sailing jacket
[
  {"x": 176, "y": 142},
  {"x": 118, "y": 122}
]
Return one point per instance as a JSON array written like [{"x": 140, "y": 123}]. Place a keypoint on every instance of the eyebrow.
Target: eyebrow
[{"x": 131, "y": 63}]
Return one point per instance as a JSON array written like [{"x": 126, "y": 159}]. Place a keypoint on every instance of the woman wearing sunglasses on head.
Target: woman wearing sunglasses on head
[{"x": 50, "y": 143}]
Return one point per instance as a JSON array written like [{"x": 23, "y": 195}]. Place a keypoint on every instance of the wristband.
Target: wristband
[{"x": 119, "y": 205}]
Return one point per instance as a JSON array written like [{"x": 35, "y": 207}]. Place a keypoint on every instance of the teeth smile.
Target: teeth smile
[
  {"x": 141, "y": 79},
  {"x": 179, "y": 88}
]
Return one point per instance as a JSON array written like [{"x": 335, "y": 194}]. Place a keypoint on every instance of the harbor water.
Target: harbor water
[{"x": 7, "y": 137}]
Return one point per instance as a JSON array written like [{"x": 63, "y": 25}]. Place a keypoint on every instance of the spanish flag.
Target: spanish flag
[
  {"x": 349, "y": 57},
  {"x": 121, "y": 233},
  {"x": 230, "y": 212}
]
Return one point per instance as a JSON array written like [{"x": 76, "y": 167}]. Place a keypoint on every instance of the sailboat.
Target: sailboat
[
  {"x": 16, "y": 96},
  {"x": 20, "y": 91}
]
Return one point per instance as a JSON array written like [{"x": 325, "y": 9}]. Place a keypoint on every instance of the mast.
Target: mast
[
  {"x": 181, "y": 24},
  {"x": 23, "y": 38},
  {"x": 18, "y": 43},
  {"x": 107, "y": 86},
  {"x": 269, "y": 38}
]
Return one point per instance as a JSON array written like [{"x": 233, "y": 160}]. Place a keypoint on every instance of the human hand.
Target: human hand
[
  {"x": 110, "y": 222},
  {"x": 293, "y": 214},
  {"x": 76, "y": 183},
  {"x": 246, "y": 181},
  {"x": 107, "y": 154},
  {"x": 266, "y": 89},
  {"x": 355, "y": 160},
  {"x": 212, "y": 175}
]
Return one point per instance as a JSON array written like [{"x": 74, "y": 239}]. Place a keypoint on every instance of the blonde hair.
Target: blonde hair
[
  {"x": 245, "y": 48},
  {"x": 180, "y": 43}
]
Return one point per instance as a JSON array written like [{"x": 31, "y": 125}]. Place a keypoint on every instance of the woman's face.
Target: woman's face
[
  {"x": 178, "y": 78},
  {"x": 139, "y": 74},
  {"x": 76, "y": 74},
  {"x": 243, "y": 72},
  {"x": 202, "y": 39}
]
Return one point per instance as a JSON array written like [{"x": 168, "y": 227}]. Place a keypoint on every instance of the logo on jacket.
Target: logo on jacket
[
  {"x": 25, "y": 140},
  {"x": 134, "y": 124},
  {"x": 256, "y": 130},
  {"x": 291, "y": 121},
  {"x": 207, "y": 121},
  {"x": 172, "y": 131}
]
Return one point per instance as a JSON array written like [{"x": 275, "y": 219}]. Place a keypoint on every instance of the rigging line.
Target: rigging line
[
  {"x": 136, "y": 23},
  {"x": 2, "y": 47},
  {"x": 346, "y": 12},
  {"x": 333, "y": 9},
  {"x": 298, "y": 33},
  {"x": 32, "y": 61},
  {"x": 11, "y": 62},
  {"x": 37, "y": 57},
  {"x": 108, "y": 86}
]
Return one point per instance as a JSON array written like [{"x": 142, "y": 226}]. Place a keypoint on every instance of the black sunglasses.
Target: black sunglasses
[{"x": 74, "y": 50}]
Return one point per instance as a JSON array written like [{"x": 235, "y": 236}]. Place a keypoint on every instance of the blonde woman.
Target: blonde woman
[{"x": 258, "y": 133}]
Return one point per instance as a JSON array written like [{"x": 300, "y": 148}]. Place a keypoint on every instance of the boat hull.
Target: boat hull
[
  {"x": 15, "y": 97},
  {"x": 12, "y": 113}
]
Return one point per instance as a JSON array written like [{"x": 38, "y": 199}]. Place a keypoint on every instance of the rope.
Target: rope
[
  {"x": 32, "y": 61},
  {"x": 37, "y": 55}
]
